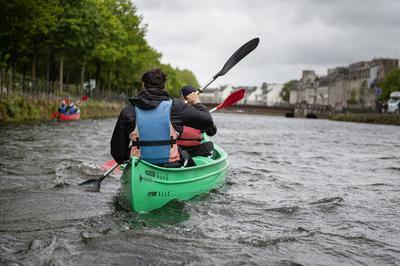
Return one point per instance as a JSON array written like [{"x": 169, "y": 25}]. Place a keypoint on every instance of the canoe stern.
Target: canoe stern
[{"x": 147, "y": 187}]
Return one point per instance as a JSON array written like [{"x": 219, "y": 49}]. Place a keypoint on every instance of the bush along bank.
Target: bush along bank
[
  {"x": 385, "y": 119},
  {"x": 17, "y": 108}
]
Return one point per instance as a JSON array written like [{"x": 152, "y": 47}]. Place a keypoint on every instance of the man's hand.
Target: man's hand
[
  {"x": 192, "y": 98},
  {"x": 211, "y": 131}
]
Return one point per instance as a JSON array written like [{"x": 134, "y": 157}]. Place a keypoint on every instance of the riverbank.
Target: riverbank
[
  {"x": 385, "y": 119},
  {"x": 16, "y": 108}
]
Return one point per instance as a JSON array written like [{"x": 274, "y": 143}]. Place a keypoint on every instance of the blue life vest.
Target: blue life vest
[
  {"x": 155, "y": 142},
  {"x": 72, "y": 110},
  {"x": 62, "y": 109}
]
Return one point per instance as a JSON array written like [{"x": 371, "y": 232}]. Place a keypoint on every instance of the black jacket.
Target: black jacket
[{"x": 196, "y": 116}]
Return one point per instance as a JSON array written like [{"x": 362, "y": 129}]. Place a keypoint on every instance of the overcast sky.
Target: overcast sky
[{"x": 201, "y": 35}]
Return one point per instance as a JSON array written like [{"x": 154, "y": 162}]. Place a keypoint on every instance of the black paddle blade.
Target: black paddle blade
[
  {"x": 241, "y": 53},
  {"x": 91, "y": 184}
]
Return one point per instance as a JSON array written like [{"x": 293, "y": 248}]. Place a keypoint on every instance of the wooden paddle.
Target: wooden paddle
[{"x": 233, "y": 98}]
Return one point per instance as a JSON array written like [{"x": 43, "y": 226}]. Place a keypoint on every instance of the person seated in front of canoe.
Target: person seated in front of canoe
[
  {"x": 153, "y": 121},
  {"x": 63, "y": 107},
  {"x": 191, "y": 139}
]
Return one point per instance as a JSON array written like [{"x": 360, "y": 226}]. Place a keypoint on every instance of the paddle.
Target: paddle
[
  {"x": 95, "y": 183},
  {"x": 242, "y": 52},
  {"x": 233, "y": 98},
  {"x": 83, "y": 99}
]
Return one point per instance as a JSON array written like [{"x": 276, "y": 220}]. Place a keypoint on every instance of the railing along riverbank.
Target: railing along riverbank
[
  {"x": 42, "y": 89},
  {"x": 39, "y": 102}
]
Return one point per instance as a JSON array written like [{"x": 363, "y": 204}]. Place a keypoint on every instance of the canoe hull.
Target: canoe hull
[
  {"x": 63, "y": 117},
  {"x": 145, "y": 187}
]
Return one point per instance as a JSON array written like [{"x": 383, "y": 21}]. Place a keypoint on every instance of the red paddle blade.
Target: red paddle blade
[
  {"x": 107, "y": 165},
  {"x": 235, "y": 96},
  {"x": 54, "y": 115},
  {"x": 84, "y": 98}
]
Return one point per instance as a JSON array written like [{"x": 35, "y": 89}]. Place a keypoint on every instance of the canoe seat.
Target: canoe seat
[{"x": 200, "y": 160}]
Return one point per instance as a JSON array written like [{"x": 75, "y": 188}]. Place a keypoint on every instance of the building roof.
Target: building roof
[{"x": 359, "y": 66}]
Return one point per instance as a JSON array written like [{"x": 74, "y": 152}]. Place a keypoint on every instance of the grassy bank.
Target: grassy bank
[
  {"x": 386, "y": 119},
  {"x": 18, "y": 108}
]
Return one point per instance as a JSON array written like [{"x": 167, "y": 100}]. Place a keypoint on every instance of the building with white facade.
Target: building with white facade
[{"x": 266, "y": 94}]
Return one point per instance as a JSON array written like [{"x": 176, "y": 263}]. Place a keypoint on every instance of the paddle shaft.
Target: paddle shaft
[
  {"x": 200, "y": 90},
  {"x": 108, "y": 172},
  {"x": 214, "y": 109}
]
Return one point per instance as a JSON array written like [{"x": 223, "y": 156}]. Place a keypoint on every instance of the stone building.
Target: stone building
[
  {"x": 337, "y": 87},
  {"x": 305, "y": 90},
  {"x": 354, "y": 86},
  {"x": 363, "y": 78}
]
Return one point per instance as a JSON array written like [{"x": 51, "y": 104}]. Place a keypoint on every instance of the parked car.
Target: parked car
[{"x": 394, "y": 102}]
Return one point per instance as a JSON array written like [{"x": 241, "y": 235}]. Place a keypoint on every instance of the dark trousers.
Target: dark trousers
[
  {"x": 204, "y": 149},
  {"x": 185, "y": 161}
]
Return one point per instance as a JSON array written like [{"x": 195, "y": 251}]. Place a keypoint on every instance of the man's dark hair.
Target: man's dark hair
[{"x": 154, "y": 78}]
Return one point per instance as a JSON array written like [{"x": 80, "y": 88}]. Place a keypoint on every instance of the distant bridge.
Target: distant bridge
[{"x": 287, "y": 110}]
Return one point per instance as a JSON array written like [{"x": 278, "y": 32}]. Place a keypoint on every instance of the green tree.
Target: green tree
[
  {"x": 177, "y": 79},
  {"x": 187, "y": 77},
  {"x": 389, "y": 84},
  {"x": 287, "y": 87},
  {"x": 109, "y": 38},
  {"x": 39, "y": 19},
  {"x": 173, "y": 84},
  {"x": 73, "y": 36},
  {"x": 78, "y": 39},
  {"x": 24, "y": 29},
  {"x": 137, "y": 55}
]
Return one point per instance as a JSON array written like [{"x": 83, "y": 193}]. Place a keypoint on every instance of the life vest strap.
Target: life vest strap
[{"x": 139, "y": 143}]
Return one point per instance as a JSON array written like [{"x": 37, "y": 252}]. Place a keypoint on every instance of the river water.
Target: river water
[{"x": 298, "y": 192}]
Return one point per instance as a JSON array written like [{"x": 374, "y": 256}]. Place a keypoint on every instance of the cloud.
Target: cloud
[{"x": 295, "y": 34}]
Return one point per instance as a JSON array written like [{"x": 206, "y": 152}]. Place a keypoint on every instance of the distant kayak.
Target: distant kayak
[{"x": 68, "y": 117}]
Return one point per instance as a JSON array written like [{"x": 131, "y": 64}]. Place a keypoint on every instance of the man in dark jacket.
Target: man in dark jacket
[
  {"x": 193, "y": 114},
  {"x": 191, "y": 140}
]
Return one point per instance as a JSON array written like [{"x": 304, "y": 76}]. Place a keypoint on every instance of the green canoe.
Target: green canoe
[{"x": 145, "y": 187}]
